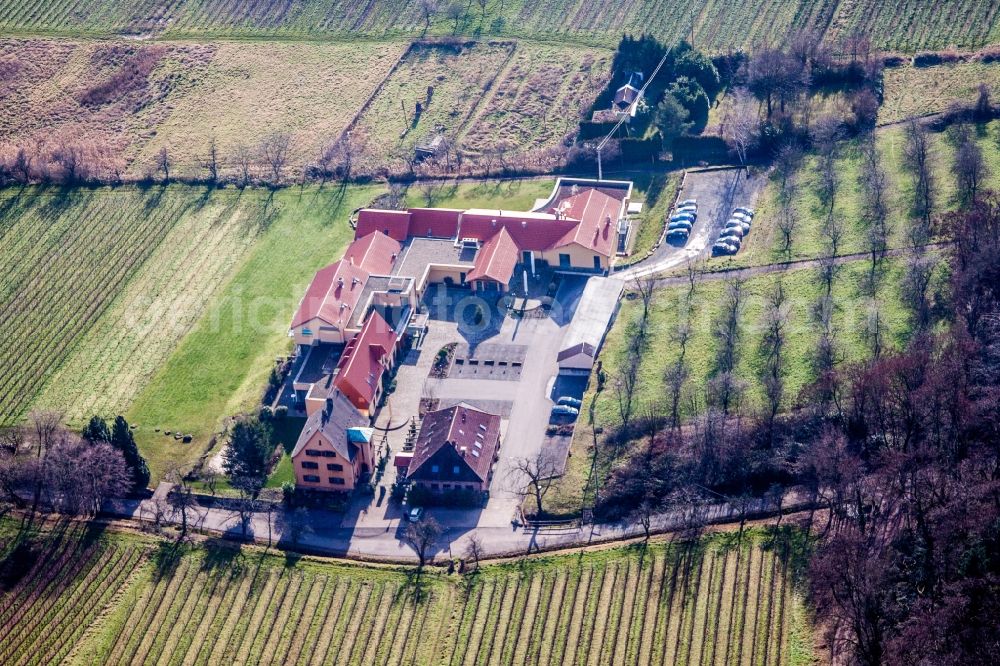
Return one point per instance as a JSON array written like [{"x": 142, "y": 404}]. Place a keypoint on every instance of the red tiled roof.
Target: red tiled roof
[
  {"x": 532, "y": 231},
  {"x": 434, "y": 222},
  {"x": 393, "y": 223},
  {"x": 374, "y": 252},
  {"x": 598, "y": 215},
  {"x": 461, "y": 435},
  {"x": 333, "y": 294},
  {"x": 364, "y": 358},
  {"x": 583, "y": 219},
  {"x": 496, "y": 259}
]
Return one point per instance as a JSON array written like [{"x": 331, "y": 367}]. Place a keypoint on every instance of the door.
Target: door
[
  {"x": 597, "y": 263},
  {"x": 564, "y": 261}
]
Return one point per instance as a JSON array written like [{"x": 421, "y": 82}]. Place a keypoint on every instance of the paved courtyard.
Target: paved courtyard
[{"x": 513, "y": 375}]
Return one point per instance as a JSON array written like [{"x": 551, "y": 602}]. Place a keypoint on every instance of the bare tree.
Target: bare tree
[
  {"x": 916, "y": 285},
  {"x": 874, "y": 331},
  {"x": 787, "y": 224},
  {"x": 740, "y": 124},
  {"x": 181, "y": 499},
  {"x": 917, "y": 158},
  {"x": 676, "y": 377},
  {"x": 429, "y": 8},
  {"x": 532, "y": 477},
  {"x": 455, "y": 13},
  {"x": 211, "y": 162},
  {"x": 728, "y": 326},
  {"x": 474, "y": 550},
  {"x": 275, "y": 149},
  {"x": 643, "y": 515},
  {"x": 79, "y": 476},
  {"x": 247, "y": 503},
  {"x": 71, "y": 160},
  {"x": 874, "y": 184},
  {"x": 21, "y": 167},
  {"x": 970, "y": 167},
  {"x": 772, "y": 349},
  {"x": 430, "y": 190},
  {"x": 243, "y": 159},
  {"x": 210, "y": 476},
  {"x": 625, "y": 384},
  {"x": 645, "y": 286},
  {"x": 422, "y": 535},
  {"x": 163, "y": 163}
]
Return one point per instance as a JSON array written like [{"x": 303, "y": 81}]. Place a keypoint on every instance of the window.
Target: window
[
  {"x": 336, "y": 480},
  {"x": 446, "y": 486},
  {"x": 307, "y": 331},
  {"x": 597, "y": 262},
  {"x": 564, "y": 261},
  {"x": 335, "y": 467},
  {"x": 313, "y": 453},
  {"x": 435, "y": 469},
  {"x": 310, "y": 465},
  {"x": 434, "y": 486},
  {"x": 329, "y": 454},
  {"x": 454, "y": 470},
  {"x": 310, "y": 478}
]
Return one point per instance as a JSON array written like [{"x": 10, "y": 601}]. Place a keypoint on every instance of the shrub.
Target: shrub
[
  {"x": 266, "y": 413},
  {"x": 280, "y": 412}
]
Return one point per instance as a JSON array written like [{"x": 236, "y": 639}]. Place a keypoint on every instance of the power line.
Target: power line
[{"x": 628, "y": 113}]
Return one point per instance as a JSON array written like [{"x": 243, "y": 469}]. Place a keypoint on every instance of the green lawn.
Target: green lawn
[
  {"x": 519, "y": 194},
  {"x": 221, "y": 366}
]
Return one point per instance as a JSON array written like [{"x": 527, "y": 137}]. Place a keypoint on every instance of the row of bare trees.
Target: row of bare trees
[{"x": 44, "y": 466}]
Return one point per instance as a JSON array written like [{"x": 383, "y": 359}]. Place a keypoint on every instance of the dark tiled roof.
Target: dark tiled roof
[
  {"x": 460, "y": 436},
  {"x": 333, "y": 421}
]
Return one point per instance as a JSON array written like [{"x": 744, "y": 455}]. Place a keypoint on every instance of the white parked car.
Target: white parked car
[
  {"x": 742, "y": 216},
  {"x": 744, "y": 210},
  {"x": 735, "y": 230},
  {"x": 687, "y": 202}
]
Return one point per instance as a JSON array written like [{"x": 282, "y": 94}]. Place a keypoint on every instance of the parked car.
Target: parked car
[
  {"x": 742, "y": 216},
  {"x": 678, "y": 235},
  {"x": 687, "y": 202},
  {"x": 565, "y": 410},
  {"x": 686, "y": 209},
  {"x": 682, "y": 224},
  {"x": 721, "y": 248},
  {"x": 415, "y": 514},
  {"x": 742, "y": 224},
  {"x": 732, "y": 231},
  {"x": 732, "y": 239},
  {"x": 569, "y": 402},
  {"x": 744, "y": 210},
  {"x": 682, "y": 217}
]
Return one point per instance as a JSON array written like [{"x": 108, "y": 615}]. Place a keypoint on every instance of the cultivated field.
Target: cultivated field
[
  {"x": 168, "y": 304},
  {"x": 69, "y": 256},
  {"x": 118, "y": 599},
  {"x": 523, "y": 99},
  {"x": 125, "y": 101},
  {"x": 903, "y": 24}
]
